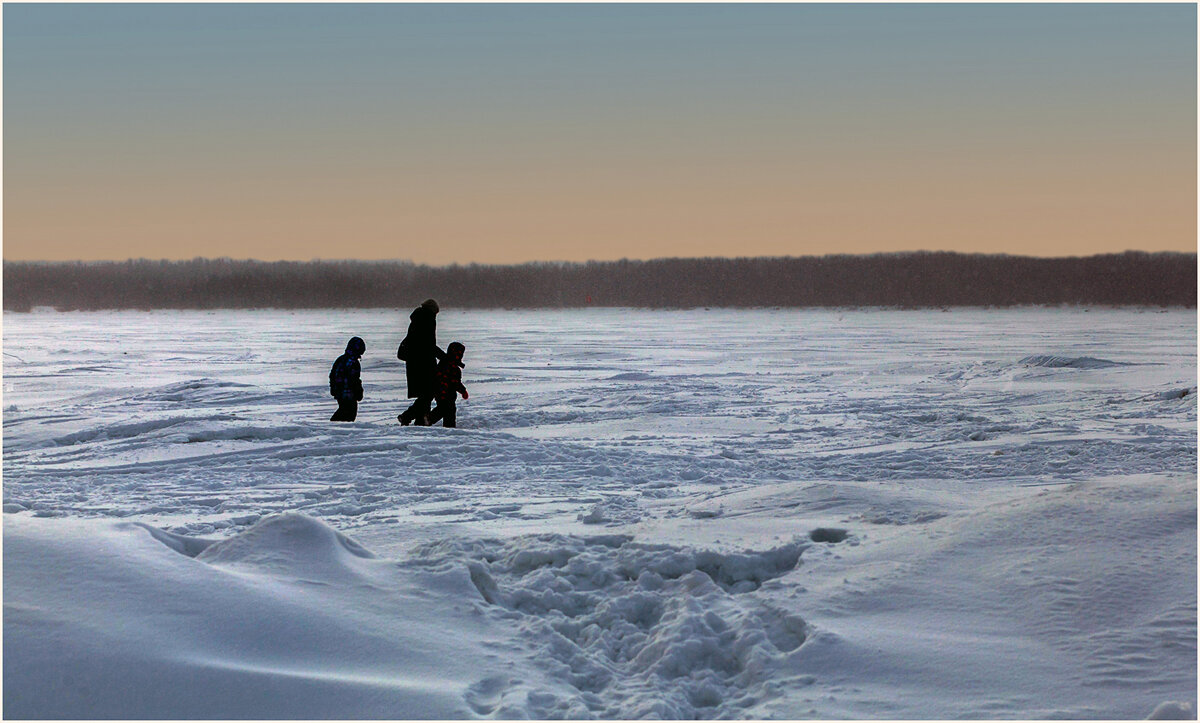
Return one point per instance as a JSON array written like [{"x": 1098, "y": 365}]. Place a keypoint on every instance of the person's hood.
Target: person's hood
[
  {"x": 356, "y": 347},
  {"x": 449, "y": 360},
  {"x": 423, "y": 313}
]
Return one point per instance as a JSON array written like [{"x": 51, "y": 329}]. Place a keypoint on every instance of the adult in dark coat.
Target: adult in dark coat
[{"x": 420, "y": 354}]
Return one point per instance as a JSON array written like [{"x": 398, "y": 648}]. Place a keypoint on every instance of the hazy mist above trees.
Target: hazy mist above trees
[{"x": 922, "y": 279}]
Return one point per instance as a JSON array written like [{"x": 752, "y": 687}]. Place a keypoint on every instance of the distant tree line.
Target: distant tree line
[{"x": 912, "y": 280}]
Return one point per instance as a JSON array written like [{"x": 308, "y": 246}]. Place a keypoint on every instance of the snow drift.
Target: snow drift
[
  {"x": 1064, "y": 362},
  {"x": 289, "y": 619}
]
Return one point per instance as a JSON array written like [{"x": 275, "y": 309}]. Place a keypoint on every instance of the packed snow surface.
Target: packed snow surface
[{"x": 673, "y": 514}]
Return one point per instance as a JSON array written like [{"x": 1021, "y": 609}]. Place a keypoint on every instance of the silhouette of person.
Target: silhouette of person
[
  {"x": 345, "y": 381},
  {"x": 447, "y": 386},
  {"x": 420, "y": 353}
]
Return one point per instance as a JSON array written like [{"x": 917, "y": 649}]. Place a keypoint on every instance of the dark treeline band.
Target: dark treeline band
[{"x": 912, "y": 280}]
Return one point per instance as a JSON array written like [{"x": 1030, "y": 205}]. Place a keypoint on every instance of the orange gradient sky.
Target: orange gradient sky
[{"x": 503, "y": 134}]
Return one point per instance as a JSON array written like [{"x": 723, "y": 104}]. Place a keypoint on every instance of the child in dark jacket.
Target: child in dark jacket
[
  {"x": 345, "y": 382},
  {"x": 447, "y": 386}
]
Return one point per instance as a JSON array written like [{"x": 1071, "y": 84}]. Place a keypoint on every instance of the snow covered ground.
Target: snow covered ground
[{"x": 704, "y": 513}]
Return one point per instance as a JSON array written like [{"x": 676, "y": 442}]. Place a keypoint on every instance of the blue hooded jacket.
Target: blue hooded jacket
[{"x": 345, "y": 376}]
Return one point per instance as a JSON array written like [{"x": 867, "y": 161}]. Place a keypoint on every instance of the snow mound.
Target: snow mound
[
  {"x": 1181, "y": 393},
  {"x": 633, "y": 630},
  {"x": 1173, "y": 710},
  {"x": 289, "y": 543},
  {"x": 611, "y": 511},
  {"x": 630, "y": 377},
  {"x": 1062, "y": 362},
  {"x": 595, "y": 516},
  {"x": 102, "y": 620},
  {"x": 202, "y": 391}
]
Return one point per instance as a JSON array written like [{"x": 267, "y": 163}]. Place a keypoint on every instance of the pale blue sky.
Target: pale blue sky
[{"x": 517, "y": 132}]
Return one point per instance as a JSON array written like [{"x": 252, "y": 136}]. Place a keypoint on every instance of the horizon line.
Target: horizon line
[{"x": 598, "y": 261}]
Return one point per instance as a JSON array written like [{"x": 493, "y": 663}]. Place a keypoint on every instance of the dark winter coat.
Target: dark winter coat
[
  {"x": 345, "y": 377},
  {"x": 420, "y": 352},
  {"x": 448, "y": 380}
]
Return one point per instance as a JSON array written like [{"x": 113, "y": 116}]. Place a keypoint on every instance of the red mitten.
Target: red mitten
[{"x": 465, "y": 395}]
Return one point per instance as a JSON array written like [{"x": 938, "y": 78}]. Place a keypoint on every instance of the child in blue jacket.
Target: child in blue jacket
[{"x": 345, "y": 382}]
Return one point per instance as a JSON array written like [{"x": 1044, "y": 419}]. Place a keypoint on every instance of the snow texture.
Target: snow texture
[{"x": 686, "y": 514}]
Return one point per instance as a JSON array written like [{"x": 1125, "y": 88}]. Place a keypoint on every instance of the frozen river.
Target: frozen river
[{"x": 713, "y": 513}]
